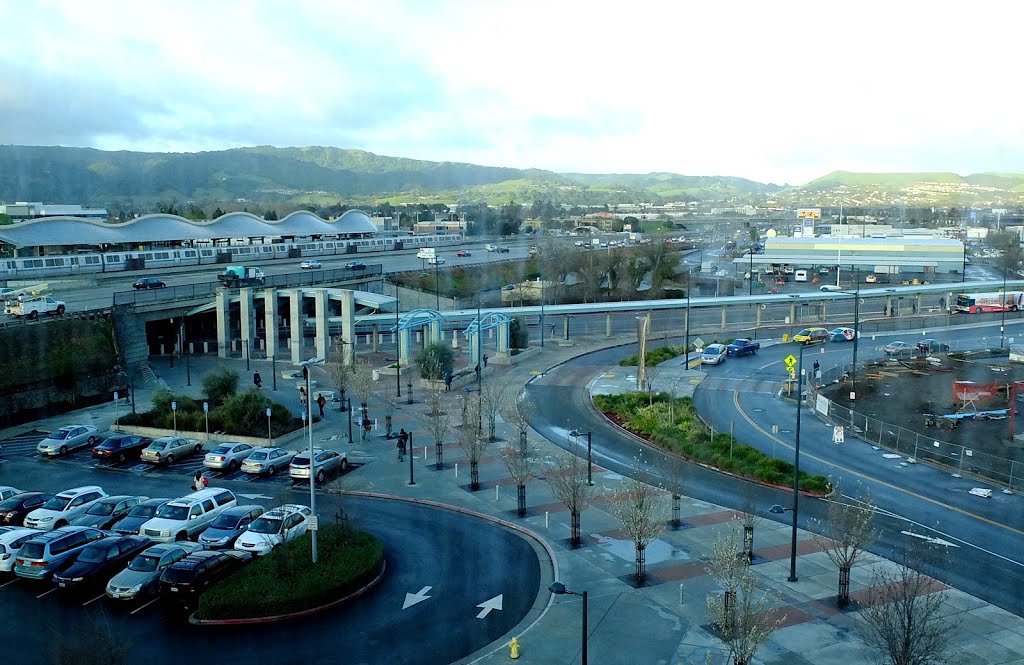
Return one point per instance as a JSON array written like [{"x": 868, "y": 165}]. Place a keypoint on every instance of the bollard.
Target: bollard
[
  {"x": 495, "y": 492},
  {"x": 546, "y": 519},
  {"x": 456, "y": 469},
  {"x": 513, "y": 649},
  {"x": 680, "y": 594},
  {"x": 424, "y": 453}
]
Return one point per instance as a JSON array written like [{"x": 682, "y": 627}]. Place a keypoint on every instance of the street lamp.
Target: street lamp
[
  {"x": 559, "y": 589},
  {"x": 1002, "y": 312},
  {"x": 796, "y": 467},
  {"x": 306, "y": 364},
  {"x": 686, "y": 343},
  {"x": 398, "y": 349},
  {"x": 750, "y": 273}
]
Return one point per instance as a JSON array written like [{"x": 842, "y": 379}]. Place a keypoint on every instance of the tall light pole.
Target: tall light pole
[
  {"x": 306, "y": 364},
  {"x": 750, "y": 273},
  {"x": 1002, "y": 312},
  {"x": 796, "y": 462},
  {"x": 686, "y": 343},
  {"x": 398, "y": 349},
  {"x": 541, "y": 307},
  {"x": 559, "y": 589}
]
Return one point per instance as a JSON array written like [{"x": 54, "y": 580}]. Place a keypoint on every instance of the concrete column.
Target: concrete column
[
  {"x": 322, "y": 339},
  {"x": 474, "y": 349},
  {"x": 455, "y": 339},
  {"x": 223, "y": 321},
  {"x": 824, "y": 310},
  {"x": 270, "y": 320},
  {"x": 565, "y": 326},
  {"x": 245, "y": 311},
  {"x": 724, "y": 309},
  {"x": 757, "y": 316},
  {"x": 405, "y": 347},
  {"x": 375, "y": 338},
  {"x": 792, "y": 313},
  {"x": 348, "y": 324},
  {"x": 917, "y": 306},
  {"x": 490, "y": 333},
  {"x": 295, "y": 323},
  {"x": 889, "y": 306},
  {"x": 503, "y": 335},
  {"x": 436, "y": 334},
  {"x": 607, "y": 325}
]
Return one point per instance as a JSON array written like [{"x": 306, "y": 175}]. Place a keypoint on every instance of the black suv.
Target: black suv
[
  {"x": 100, "y": 561},
  {"x": 148, "y": 283},
  {"x": 183, "y": 581}
]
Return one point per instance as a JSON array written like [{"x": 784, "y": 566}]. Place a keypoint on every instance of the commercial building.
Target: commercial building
[{"x": 25, "y": 210}]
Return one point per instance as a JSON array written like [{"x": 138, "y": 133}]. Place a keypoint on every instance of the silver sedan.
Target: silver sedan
[
  {"x": 166, "y": 449},
  {"x": 227, "y": 456},
  {"x": 66, "y": 439},
  {"x": 267, "y": 461}
]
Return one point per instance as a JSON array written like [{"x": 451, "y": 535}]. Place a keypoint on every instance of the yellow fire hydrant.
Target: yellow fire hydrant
[{"x": 513, "y": 649}]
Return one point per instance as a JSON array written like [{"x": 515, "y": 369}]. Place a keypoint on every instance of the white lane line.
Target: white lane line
[
  {"x": 93, "y": 600},
  {"x": 47, "y": 593},
  {"x": 139, "y": 609}
]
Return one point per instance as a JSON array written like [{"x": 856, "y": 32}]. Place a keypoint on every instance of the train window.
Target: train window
[
  {"x": 190, "y": 253},
  {"x": 88, "y": 260},
  {"x": 161, "y": 255},
  {"x": 33, "y": 263},
  {"x": 329, "y": 245},
  {"x": 53, "y": 263}
]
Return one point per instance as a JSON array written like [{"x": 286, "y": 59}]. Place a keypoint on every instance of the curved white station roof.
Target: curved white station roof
[{"x": 171, "y": 228}]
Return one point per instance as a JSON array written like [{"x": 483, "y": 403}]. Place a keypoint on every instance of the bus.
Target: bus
[{"x": 996, "y": 301}]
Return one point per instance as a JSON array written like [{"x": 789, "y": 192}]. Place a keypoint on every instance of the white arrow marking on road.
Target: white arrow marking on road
[
  {"x": 488, "y": 605},
  {"x": 935, "y": 541},
  {"x": 255, "y": 496},
  {"x": 413, "y": 598}
]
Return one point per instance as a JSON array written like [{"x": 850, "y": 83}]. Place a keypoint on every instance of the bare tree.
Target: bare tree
[
  {"x": 749, "y": 519},
  {"x": 389, "y": 404},
  {"x": 650, "y": 377},
  {"x": 437, "y": 424},
  {"x": 362, "y": 385},
  {"x": 473, "y": 444},
  {"x": 741, "y": 614},
  {"x": 518, "y": 415},
  {"x": 92, "y": 642},
  {"x": 904, "y": 618},
  {"x": 675, "y": 472},
  {"x": 490, "y": 405},
  {"x": 339, "y": 372},
  {"x": 568, "y": 482},
  {"x": 641, "y": 512},
  {"x": 520, "y": 462},
  {"x": 846, "y": 532}
]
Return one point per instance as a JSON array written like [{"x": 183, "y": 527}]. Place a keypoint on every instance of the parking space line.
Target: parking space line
[
  {"x": 9, "y": 583},
  {"x": 139, "y": 609},
  {"x": 93, "y": 600},
  {"x": 47, "y": 593}
]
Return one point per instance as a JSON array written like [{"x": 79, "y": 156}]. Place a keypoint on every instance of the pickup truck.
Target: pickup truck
[
  {"x": 235, "y": 276},
  {"x": 33, "y": 307},
  {"x": 742, "y": 347}
]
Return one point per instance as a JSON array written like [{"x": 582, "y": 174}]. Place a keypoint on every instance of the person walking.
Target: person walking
[
  {"x": 485, "y": 360},
  {"x": 448, "y": 381},
  {"x": 257, "y": 380},
  {"x": 321, "y": 401},
  {"x": 302, "y": 397},
  {"x": 403, "y": 441}
]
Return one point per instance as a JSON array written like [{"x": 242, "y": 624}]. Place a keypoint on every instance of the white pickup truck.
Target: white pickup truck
[{"x": 33, "y": 307}]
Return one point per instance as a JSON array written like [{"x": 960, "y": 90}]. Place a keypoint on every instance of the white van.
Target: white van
[
  {"x": 186, "y": 517},
  {"x": 800, "y": 276}
]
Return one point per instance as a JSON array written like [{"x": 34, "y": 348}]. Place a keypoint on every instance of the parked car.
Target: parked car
[
  {"x": 899, "y": 348},
  {"x": 45, "y": 554},
  {"x": 277, "y": 526},
  {"x": 119, "y": 447},
  {"x": 183, "y": 581},
  {"x": 742, "y": 347},
  {"x": 927, "y": 346},
  {"x": 463, "y": 253},
  {"x": 142, "y": 576},
  {"x": 267, "y": 461},
  {"x": 166, "y": 449},
  {"x": 100, "y": 561},
  {"x": 6, "y": 492},
  {"x": 61, "y": 508},
  {"x": 227, "y": 456},
  {"x": 14, "y": 509},
  {"x": 11, "y": 540},
  {"x": 829, "y": 288},
  {"x": 148, "y": 283},
  {"x": 310, "y": 264},
  {"x": 186, "y": 517},
  {"x": 326, "y": 462},
  {"x": 871, "y": 279},
  {"x": 229, "y": 525},
  {"x": 355, "y": 265},
  {"x": 713, "y": 354},
  {"x": 809, "y": 336},
  {"x": 67, "y": 439},
  {"x": 108, "y": 510},
  {"x": 841, "y": 335},
  {"x": 130, "y": 524}
]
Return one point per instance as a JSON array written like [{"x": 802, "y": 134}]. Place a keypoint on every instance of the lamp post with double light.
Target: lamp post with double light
[{"x": 308, "y": 413}]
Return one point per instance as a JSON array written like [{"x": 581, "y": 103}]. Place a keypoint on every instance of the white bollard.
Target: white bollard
[
  {"x": 456, "y": 469},
  {"x": 546, "y": 519},
  {"x": 680, "y": 594},
  {"x": 424, "y": 453},
  {"x": 495, "y": 492}
]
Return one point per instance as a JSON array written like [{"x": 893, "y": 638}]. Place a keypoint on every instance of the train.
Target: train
[{"x": 39, "y": 267}]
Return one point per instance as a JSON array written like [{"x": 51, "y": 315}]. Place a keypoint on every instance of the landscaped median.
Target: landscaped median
[
  {"x": 285, "y": 583},
  {"x": 673, "y": 424}
]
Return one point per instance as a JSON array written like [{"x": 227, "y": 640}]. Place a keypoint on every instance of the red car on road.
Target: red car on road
[{"x": 463, "y": 252}]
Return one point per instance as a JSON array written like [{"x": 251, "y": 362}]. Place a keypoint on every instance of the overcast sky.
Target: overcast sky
[{"x": 772, "y": 91}]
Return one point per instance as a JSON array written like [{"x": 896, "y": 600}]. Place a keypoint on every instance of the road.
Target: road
[
  {"x": 463, "y": 561},
  {"x": 741, "y": 395}
]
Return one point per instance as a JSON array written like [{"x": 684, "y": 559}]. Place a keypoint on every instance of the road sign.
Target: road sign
[
  {"x": 314, "y": 523},
  {"x": 838, "y": 435},
  {"x": 698, "y": 343},
  {"x": 790, "y": 361},
  {"x": 116, "y": 396}
]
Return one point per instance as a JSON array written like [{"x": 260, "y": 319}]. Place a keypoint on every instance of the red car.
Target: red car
[{"x": 463, "y": 252}]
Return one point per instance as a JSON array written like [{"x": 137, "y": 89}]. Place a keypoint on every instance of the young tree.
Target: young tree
[
  {"x": 749, "y": 519},
  {"x": 219, "y": 385},
  {"x": 520, "y": 462},
  {"x": 568, "y": 482},
  {"x": 388, "y": 403},
  {"x": 675, "y": 472},
  {"x": 340, "y": 373},
  {"x": 846, "y": 532},
  {"x": 490, "y": 404},
  {"x": 437, "y": 424},
  {"x": 363, "y": 386},
  {"x": 905, "y": 616},
  {"x": 518, "y": 415},
  {"x": 741, "y": 614},
  {"x": 473, "y": 444},
  {"x": 435, "y": 361},
  {"x": 641, "y": 512}
]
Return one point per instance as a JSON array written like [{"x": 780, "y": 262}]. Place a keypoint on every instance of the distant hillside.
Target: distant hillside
[
  {"x": 940, "y": 188},
  {"x": 673, "y": 184}
]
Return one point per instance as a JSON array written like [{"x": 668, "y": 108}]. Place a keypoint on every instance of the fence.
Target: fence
[{"x": 912, "y": 444}]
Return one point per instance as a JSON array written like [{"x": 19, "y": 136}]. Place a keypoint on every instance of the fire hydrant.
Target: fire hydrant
[{"x": 513, "y": 649}]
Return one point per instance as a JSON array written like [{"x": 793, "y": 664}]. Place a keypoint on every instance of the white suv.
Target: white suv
[
  {"x": 280, "y": 525},
  {"x": 60, "y": 509},
  {"x": 186, "y": 517}
]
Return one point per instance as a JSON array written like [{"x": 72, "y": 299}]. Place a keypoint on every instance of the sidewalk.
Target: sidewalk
[{"x": 663, "y": 622}]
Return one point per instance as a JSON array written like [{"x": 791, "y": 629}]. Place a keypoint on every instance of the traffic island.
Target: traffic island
[{"x": 285, "y": 585}]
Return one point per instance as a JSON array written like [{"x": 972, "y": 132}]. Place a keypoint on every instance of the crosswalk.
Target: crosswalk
[{"x": 22, "y": 445}]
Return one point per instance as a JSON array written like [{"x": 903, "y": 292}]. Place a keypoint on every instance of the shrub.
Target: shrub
[
  {"x": 245, "y": 413},
  {"x": 219, "y": 385},
  {"x": 435, "y": 361},
  {"x": 518, "y": 335}
]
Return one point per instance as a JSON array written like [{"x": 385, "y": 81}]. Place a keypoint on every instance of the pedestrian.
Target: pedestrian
[
  {"x": 477, "y": 370},
  {"x": 321, "y": 401},
  {"x": 302, "y": 398},
  {"x": 199, "y": 481},
  {"x": 403, "y": 441},
  {"x": 448, "y": 381},
  {"x": 257, "y": 380},
  {"x": 485, "y": 360}
]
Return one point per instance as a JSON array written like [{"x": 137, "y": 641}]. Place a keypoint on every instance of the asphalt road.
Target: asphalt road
[
  {"x": 464, "y": 561},
  {"x": 979, "y": 537}
]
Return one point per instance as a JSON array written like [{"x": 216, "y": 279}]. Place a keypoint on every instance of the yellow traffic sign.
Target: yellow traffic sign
[{"x": 790, "y": 361}]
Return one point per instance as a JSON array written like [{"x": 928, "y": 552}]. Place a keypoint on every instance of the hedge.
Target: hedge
[
  {"x": 285, "y": 581},
  {"x": 673, "y": 424}
]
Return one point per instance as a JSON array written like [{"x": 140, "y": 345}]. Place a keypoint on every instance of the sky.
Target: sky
[{"x": 780, "y": 92}]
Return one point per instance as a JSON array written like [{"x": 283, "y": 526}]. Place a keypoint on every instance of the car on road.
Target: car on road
[
  {"x": 501, "y": 250},
  {"x": 61, "y": 508},
  {"x": 130, "y": 524},
  {"x": 742, "y": 347},
  {"x": 100, "y": 561},
  {"x": 267, "y": 461},
  {"x": 11, "y": 540},
  {"x": 311, "y": 264},
  {"x": 927, "y": 346},
  {"x": 829, "y": 288},
  {"x": 871, "y": 279},
  {"x": 227, "y": 456},
  {"x": 147, "y": 283},
  {"x": 48, "y": 553},
  {"x": 108, "y": 510},
  {"x": 841, "y": 334},
  {"x": 325, "y": 463},
  {"x": 142, "y": 576},
  {"x": 14, "y": 509},
  {"x": 68, "y": 439},
  {"x": 184, "y": 581},
  {"x": 463, "y": 253},
  {"x": 6, "y": 492},
  {"x": 120, "y": 447},
  {"x": 713, "y": 354},
  {"x": 275, "y": 527},
  {"x": 809, "y": 336},
  {"x": 186, "y": 517},
  {"x": 229, "y": 525},
  {"x": 355, "y": 265},
  {"x": 899, "y": 348},
  {"x": 166, "y": 449}
]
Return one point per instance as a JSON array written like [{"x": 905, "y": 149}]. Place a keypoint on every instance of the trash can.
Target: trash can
[
  {"x": 376, "y": 375},
  {"x": 785, "y": 337}
]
